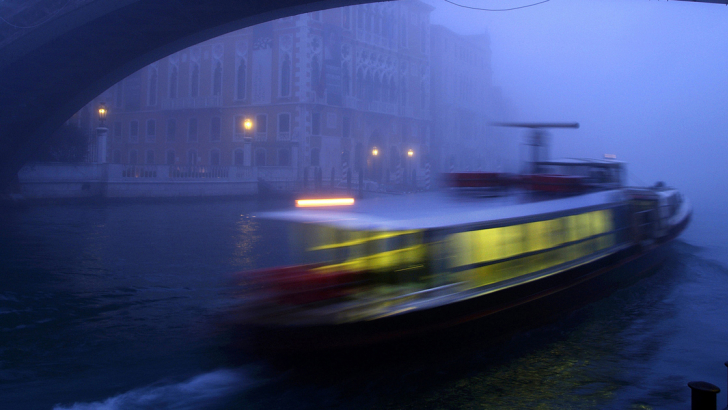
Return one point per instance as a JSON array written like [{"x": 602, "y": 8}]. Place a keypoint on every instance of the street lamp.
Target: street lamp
[
  {"x": 407, "y": 166},
  {"x": 101, "y": 136},
  {"x": 102, "y": 114},
  {"x": 247, "y": 126},
  {"x": 375, "y": 151}
]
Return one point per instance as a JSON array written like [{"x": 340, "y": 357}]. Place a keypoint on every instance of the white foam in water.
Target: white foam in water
[{"x": 199, "y": 392}]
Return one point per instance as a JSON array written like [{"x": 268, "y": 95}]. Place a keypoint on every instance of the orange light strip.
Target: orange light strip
[{"x": 305, "y": 203}]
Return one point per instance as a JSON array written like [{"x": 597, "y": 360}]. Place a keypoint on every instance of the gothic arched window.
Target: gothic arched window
[
  {"x": 173, "y": 82},
  {"x": 217, "y": 80},
  {"x": 315, "y": 72},
  {"x": 195, "y": 81},
  {"x": 152, "y": 100},
  {"x": 345, "y": 80},
  {"x": 240, "y": 79},
  {"x": 285, "y": 88},
  {"x": 260, "y": 157}
]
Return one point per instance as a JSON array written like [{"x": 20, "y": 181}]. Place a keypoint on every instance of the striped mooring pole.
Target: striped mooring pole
[
  {"x": 427, "y": 176},
  {"x": 344, "y": 172}
]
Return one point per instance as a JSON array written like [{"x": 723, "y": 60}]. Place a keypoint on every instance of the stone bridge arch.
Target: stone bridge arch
[{"x": 51, "y": 70}]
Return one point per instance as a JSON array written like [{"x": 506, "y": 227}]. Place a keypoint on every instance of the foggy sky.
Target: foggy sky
[{"x": 647, "y": 81}]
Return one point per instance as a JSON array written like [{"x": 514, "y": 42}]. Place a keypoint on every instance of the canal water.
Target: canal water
[{"x": 118, "y": 306}]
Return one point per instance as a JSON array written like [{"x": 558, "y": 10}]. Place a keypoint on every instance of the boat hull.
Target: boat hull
[{"x": 488, "y": 317}]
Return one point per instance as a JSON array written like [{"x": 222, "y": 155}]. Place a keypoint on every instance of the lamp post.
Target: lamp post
[
  {"x": 374, "y": 165},
  {"x": 102, "y": 114},
  {"x": 247, "y": 126},
  {"x": 101, "y": 135},
  {"x": 408, "y": 177}
]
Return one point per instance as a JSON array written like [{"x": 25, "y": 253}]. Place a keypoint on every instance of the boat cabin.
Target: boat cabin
[{"x": 592, "y": 173}]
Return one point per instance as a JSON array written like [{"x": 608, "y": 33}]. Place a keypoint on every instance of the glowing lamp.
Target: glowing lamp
[
  {"x": 248, "y": 124},
  {"x": 309, "y": 203},
  {"x": 102, "y": 113},
  {"x": 375, "y": 152},
  {"x": 410, "y": 153}
]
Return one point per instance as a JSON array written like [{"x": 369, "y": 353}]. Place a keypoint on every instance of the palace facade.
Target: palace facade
[{"x": 350, "y": 88}]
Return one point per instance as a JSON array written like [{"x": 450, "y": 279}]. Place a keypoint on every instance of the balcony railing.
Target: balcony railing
[
  {"x": 143, "y": 173},
  {"x": 139, "y": 171},
  {"x": 191, "y": 102},
  {"x": 198, "y": 171}
]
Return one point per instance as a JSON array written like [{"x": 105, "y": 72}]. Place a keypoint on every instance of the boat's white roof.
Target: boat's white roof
[{"x": 438, "y": 210}]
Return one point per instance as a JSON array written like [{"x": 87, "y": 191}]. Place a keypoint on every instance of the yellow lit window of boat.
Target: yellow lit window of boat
[
  {"x": 465, "y": 248},
  {"x": 571, "y": 228},
  {"x": 583, "y": 225},
  {"x": 513, "y": 240},
  {"x": 488, "y": 242},
  {"x": 537, "y": 236},
  {"x": 602, "y": 221}
]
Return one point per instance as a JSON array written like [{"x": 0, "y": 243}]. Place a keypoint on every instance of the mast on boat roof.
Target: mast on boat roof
[{"x": 538, "y": 137}]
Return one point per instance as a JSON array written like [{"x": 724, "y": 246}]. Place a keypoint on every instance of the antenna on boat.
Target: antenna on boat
[{"x": 537, "y": 140}]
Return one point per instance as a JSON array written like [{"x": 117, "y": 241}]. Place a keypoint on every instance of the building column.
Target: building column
[
  {"x": 101, "y": 137},
  {"x": 248, "y": 154}
]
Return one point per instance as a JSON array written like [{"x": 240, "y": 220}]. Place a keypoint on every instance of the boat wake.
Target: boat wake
[{"x": 202, "y": 391}]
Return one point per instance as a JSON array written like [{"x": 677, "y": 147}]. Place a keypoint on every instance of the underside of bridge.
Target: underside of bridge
[{"x": 50, "y": 70}]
